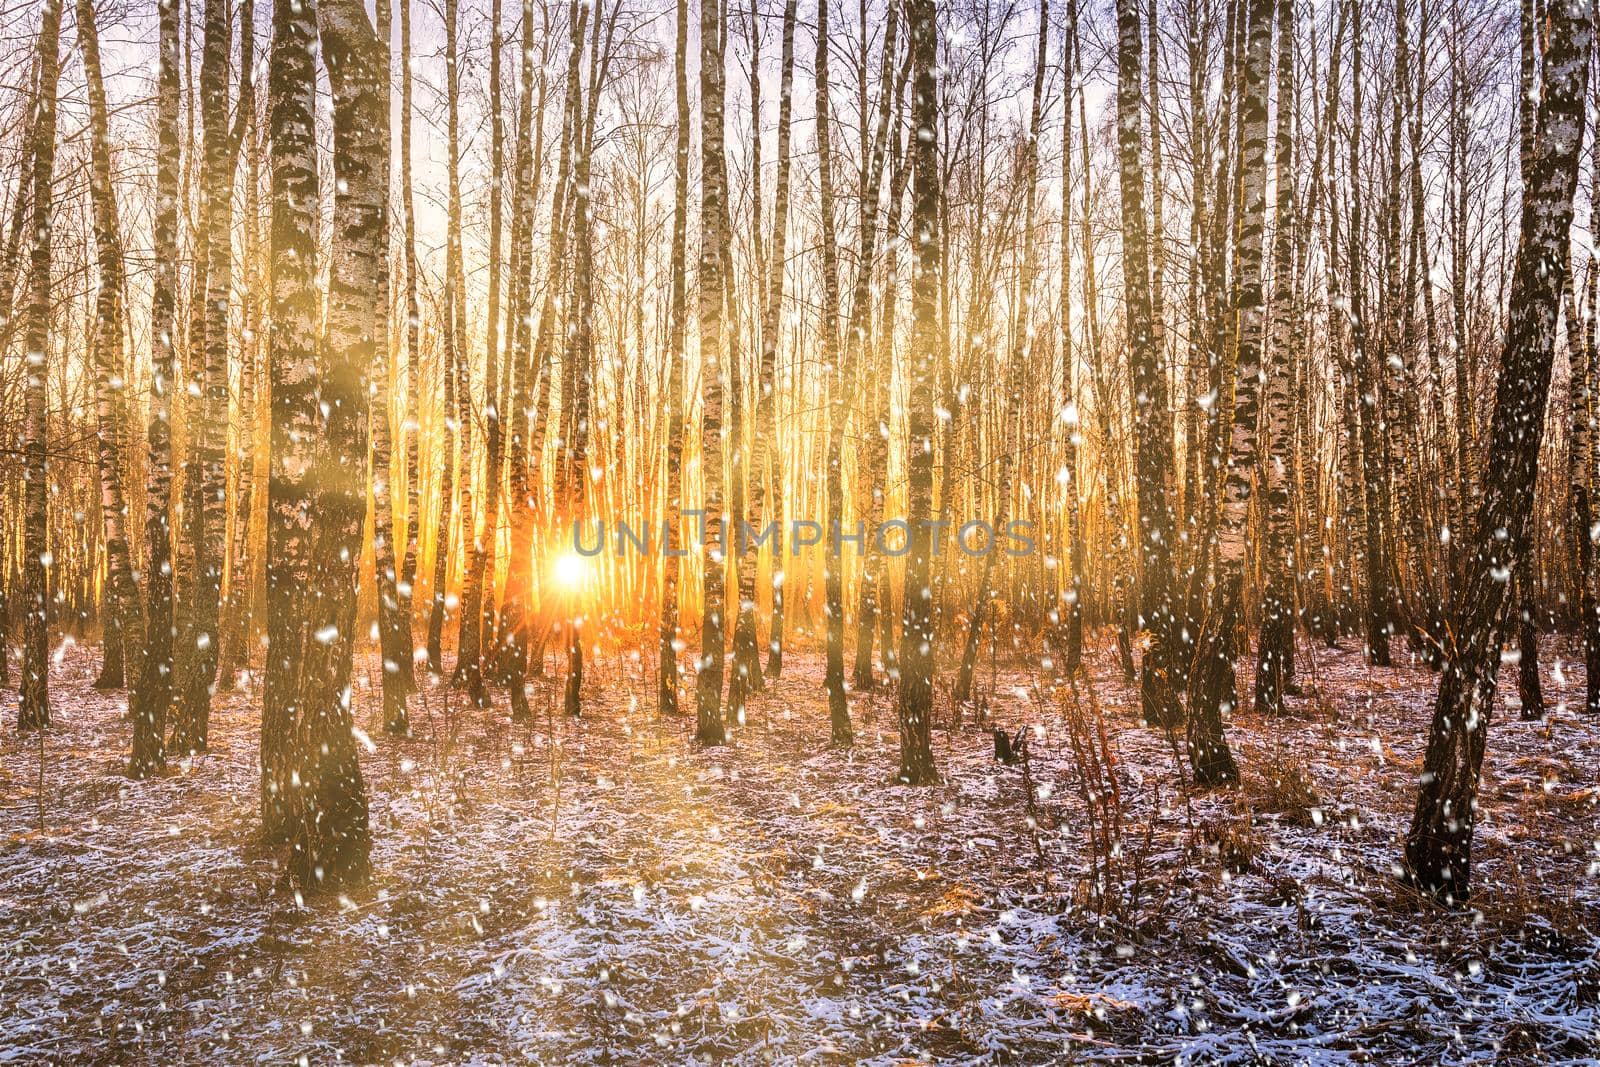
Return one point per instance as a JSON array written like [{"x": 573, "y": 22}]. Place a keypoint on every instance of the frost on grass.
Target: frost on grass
[{"x": 603, "y": 891}]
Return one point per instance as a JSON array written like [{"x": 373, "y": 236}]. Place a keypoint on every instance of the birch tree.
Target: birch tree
[
  {"x": 840, "y": 383},
  {"x": 394, "y": 627},
  {"x": 766, "y": 480},
  {"x": 34, "y": 706},
  {"x": 672, "y": 527},
  {"x": 1275, "y": 652},
  {"x": 713, "y": 258},
  {"x": 153, "y": 694},
  {"x": 124, "y": 615},
  {"x": 1153, "y": 450},
  {"x": 208, "y": 440}
]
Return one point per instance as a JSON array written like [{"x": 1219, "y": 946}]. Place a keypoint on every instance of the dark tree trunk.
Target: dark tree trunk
[
  {"x": 916, "y": 633},
  {"x": 1529, "y": 691},
  {"x": 153, "y": 694},
  {"x": 579, "y": 354},
  {"x": 1438, "y": 850},
  {"x": 330, "y": 842},
  {"x": 469, "y": 643},
  {"x": 519, "y": 575},
  {"x": 411, "y": 428}
]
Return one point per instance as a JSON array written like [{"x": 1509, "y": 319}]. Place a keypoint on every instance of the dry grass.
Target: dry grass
[
  {"x": 1229, "y": 840},
  {"x": 1283, "y": 786},
  {"x": 1519, "y": 904}
]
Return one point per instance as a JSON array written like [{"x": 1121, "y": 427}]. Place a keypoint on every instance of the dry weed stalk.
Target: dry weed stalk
[{"x": 1096, "y": 762}]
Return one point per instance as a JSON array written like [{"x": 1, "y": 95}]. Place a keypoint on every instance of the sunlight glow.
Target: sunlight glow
[{"x": 568, "y": 571}]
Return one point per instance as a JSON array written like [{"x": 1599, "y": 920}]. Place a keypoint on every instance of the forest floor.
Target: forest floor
[{"x": 604, "y": 891}]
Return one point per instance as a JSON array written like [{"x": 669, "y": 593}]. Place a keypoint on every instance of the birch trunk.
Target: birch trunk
[
  {"x": 1369, "y": 395},
  {"x": 840, "y": 382},
  {"x": 1590, "y": 533},
  {"x": 312, "y": 790},
  {"x": 766, "y": 473},
  {"x": 1275, "y": 649},
  {"x": 37, "y": 562},
  {"x": 1071, "y": 602},
  {"x": 394, "y": 632},
  {"x": 1153, "y": 446},
  {"x": 208, "y": 426},
  {"x": 238, "y": 608},
  {"x": 124, "y": 617},
  {"x": 713, "y": 241},
  {"x": 330, "y": 841},
  {"x": 456, "y": 471},
  {"x": 672, "y": 530},
  {"x": 877, "y": 599},
  {"x": 746, "y": 677}
]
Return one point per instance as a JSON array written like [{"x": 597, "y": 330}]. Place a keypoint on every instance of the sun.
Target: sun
[{"x": 569, "y": 571}]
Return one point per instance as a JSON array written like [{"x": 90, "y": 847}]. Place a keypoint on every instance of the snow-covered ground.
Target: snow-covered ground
[{"x": 603, "y": 891}]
